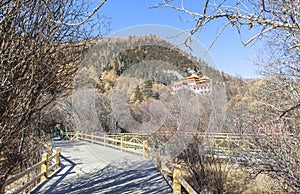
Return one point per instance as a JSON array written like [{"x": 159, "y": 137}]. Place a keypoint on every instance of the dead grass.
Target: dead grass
[{"x": 237, "y": 180}]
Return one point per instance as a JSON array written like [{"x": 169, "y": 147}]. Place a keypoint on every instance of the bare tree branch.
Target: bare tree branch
[
  {"x": 243, "y": 13},
  {"x": 288, "y": 110},
  {"x": 38, "y": 61}
]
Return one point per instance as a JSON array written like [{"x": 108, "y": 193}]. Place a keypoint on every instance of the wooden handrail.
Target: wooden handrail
[
  {"x": 187, "y": 186},
  {"x": 120, "y": 142},
  {"x": 176, "y": 173},
  {"x": 178, "y": 180},
  {"x": 108, "y": 140},
  {"x": 23, "y": 173},
  {"x": 44, "y": 172},
  {"x": 221, "y": 144}
]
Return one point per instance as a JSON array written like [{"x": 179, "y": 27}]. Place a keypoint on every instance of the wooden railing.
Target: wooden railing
[
  {"x": 119, "y": 142},
  {"x": 26, "y": 180},
  {"x": 224, "y": 143},
  {"x": 218, "y": 144},
  {"x": 173, "y": 174}
]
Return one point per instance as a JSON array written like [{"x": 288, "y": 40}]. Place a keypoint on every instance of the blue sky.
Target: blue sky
[{"x": 228, "y": 53}]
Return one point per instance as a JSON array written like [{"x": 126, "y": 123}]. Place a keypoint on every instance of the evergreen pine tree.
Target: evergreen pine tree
[
  {"x": 147, "y": 89},
  {"x": 138, "y": 95}
]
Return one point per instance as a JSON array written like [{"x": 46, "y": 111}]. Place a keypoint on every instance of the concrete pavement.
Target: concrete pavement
[{"x": 91, "y": 168}]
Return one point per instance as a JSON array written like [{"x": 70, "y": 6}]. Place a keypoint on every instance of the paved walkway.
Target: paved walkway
[{"x": 91, "y": 168}]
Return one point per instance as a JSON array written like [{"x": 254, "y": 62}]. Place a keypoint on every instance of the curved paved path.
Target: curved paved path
[{"x": 91, "y": 168}]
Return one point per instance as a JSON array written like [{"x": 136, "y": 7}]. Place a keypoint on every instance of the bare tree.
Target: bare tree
[
  {"x": 276, "y": 22},
  {"x": 262, "y": 16},
  {"x": 271, "y": 107},
  {"x": 272, "y": 148},
  {"x": 40, "y": 48}
]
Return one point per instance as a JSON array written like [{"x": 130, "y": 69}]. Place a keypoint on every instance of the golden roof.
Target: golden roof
[{"x": 196, "y": 78}]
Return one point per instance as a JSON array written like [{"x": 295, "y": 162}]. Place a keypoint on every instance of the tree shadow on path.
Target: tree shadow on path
[{"x": 114, "y": 178}]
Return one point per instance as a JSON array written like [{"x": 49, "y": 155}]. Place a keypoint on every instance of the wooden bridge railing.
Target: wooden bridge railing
[
  {"x": 224, "y": 143},
  {"x": 26, "y": 180},
  {"x": 173, "y": 174},
  {"x": 119, "y": 142},
  {"x": 116, "y": 141},
  {"x": 217, "y": 144}
]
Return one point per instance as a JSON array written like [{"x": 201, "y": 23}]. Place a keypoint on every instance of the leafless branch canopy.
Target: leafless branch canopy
[
  {"x": 275, "y": 21},
  {"x": 263, "y": 16},
  {"x": 271, "y": 106},
  {"x": 41, "y": 45}
]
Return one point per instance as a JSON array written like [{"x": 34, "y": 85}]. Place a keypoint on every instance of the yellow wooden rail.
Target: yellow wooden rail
[
  {"x": 34, "y": 174},
  {"x": 136, "y": 143},
  {"x": 172, "y": 173},
  {"x": 225, "y": 144},
  {"x": 117, "y": 141}
]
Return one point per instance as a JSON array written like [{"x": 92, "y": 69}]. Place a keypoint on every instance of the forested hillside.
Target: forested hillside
[
  {"x": 112, "y": 57},
  {"x": 109, "y": 66}
]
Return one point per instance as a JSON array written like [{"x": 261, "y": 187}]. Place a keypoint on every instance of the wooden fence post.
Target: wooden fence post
[
  {"x": 176, "y": 182},
  {"x": 122, "y": 143},
  {"x": 50, "y": 147},
  {"x": 157, "y": 161},
  {"x": 58, "y": 150},
  {"x": 145, "y": 148},
  {"x": 165, "y": 168},
  {"x": 44, "y": 167},
  {"x": 92, "y": 137},
  {"x": 229, "y": 146}
]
